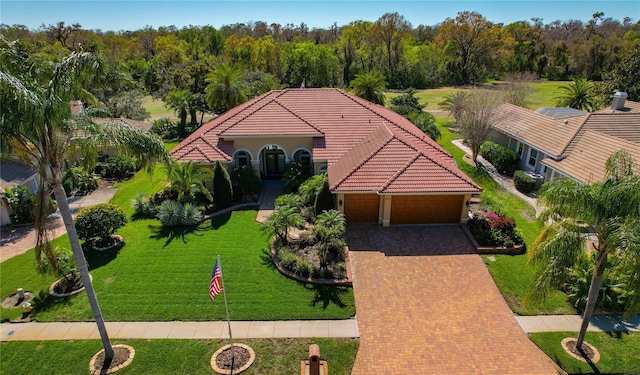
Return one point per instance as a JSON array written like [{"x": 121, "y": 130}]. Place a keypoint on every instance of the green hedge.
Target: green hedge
[
  {"x": 101, "y": 220},
  {"x": 504, "y": 159},
  {"x": 523, "y": 183}
]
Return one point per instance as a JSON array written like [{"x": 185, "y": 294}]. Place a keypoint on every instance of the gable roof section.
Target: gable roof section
[
  {"x": 385, "y": 163},
  {"x": 14, "y": 173},
  {"x": 552, "y": 136},
  {"x": 589, "y": 156}
]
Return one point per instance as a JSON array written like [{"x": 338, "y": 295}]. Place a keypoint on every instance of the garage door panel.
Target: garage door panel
[
  {"x": 425, "y": 209},
  {"x": 361, "y": 207}
]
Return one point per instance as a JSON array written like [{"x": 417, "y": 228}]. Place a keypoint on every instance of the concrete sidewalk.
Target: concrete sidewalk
[
  {"x": 571, "y": 323},
  {"x": 181, "y": 330}
]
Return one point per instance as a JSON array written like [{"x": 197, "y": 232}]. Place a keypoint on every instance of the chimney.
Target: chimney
[
  {"x": 618, "y": 101},
  {"x": 76, "y": 106}
]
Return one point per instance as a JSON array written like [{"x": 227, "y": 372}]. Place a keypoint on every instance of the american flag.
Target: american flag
[{"x": 214, "y": 286}]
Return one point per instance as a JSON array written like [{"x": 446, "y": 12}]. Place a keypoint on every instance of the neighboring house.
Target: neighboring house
[
  {"x": 381, "y": 168},
  {"x": 13, "y": 174},
  {"x": 565, "y": 142}
]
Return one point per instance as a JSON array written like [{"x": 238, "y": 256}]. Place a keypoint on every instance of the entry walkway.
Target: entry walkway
[
  {"x": 427, "y": 305},
  {"x": 181, "y": 330}
]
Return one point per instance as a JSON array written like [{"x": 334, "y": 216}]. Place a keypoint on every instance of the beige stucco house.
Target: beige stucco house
[{"x": 381, "y": 168}]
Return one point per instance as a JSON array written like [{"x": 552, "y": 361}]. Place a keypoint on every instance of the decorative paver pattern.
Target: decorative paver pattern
[{"x": 427, "y": 305}]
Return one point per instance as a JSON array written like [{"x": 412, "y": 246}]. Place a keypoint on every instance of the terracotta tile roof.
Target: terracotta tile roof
[
  {"x": 587, "y": 160},
  {"x": 629, "y": 107},
  {"x": 384, "y": 163},
  {"x": 364, "y": 144},
  {"x": 552, "y": 136},
  {"x": 135, "y": 123}
]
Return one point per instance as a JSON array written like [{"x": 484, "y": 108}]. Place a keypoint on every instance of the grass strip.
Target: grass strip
[{"x": 273, "y": 356}]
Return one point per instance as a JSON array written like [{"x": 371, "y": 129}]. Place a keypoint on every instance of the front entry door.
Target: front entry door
[{"x": 274, "y": 162}]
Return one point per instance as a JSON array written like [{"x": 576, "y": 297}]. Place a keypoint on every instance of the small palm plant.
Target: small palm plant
[{"x": 329, "y": 232}]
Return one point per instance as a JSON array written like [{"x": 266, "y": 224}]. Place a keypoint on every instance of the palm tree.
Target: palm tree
[
  {"x": 37, "y": 125},
  {"x": 608, "y": 211},
  {"x": 226, "y": 88},
  {"x": 455, "y": 103},
  {"x": 180, "y": 101},
  {"x": 578, "y": 95},
  {"x": 187, "y": 179},
  {"x": 370, "y": 86}
]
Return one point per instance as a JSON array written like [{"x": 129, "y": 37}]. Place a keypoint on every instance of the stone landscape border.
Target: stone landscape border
[
  {"x": 214, "y": 366},
  {"x": 96, "y": 371}
]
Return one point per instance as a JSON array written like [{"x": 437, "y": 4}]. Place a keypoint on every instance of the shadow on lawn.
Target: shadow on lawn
[
  {"x": 45, "y": 302},
  {"x": 170, "y": 233},
  {"x": 96, "y": 259},
  {"x": 326, "y": 295},
  {"x": 220, "y": 220}
]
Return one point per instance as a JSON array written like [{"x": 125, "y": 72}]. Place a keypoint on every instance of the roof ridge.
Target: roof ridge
[
  {"x": 296, "y": 115},
  {"x": 399, "y": 172},
  {"x": 371, "y": 154},
  {"x": 575, "y": 135},
  {"x": 259, "y": 107}
]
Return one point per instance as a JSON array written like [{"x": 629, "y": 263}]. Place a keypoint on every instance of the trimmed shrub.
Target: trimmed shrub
[
  {"x": 101, "y": 220},
  {"x": 504, "y": 159},
  {"x": 118, "y": 166},
  {"x": 324, "y": 200},
  {"x": 293, "y": 263},
  {"x": 491, "y": 229},
  {"x": 525, "y": 184},
  {"x": 222, "y": 190}
]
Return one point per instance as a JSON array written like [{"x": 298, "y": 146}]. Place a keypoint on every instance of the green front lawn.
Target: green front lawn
[
  {"x": 619, "y": 352},
  {"x": 510, "y": 272},
  {"x": 273, "y": 356},
  {"x": 163, "y": 274}
]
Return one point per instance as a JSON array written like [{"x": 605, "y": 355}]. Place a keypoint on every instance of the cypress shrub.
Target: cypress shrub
[
  {"x": 222, "y": 190},
  {"x": 324, "y": 200},
  {"x": 523, "y": 183},
  {"x": 503, "y": 158}
]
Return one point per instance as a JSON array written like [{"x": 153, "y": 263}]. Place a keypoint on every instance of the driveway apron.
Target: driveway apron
[{"x": 426, "y": 304}]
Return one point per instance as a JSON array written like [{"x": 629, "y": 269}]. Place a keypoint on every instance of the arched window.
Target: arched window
[
  {"x": 322, "y": 169},
  {"x": 242, "y": 158},
  {"x": 303, "y": 157}
]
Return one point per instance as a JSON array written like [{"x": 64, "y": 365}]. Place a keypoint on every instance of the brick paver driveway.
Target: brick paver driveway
[{"x": 426, "y": 304}]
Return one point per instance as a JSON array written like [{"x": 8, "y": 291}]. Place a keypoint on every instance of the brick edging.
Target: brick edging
[{"x": 516, "y": 250}]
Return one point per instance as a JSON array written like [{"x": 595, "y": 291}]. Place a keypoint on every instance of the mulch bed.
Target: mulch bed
[
  {"x": 64, "y": 286},
  {"x": 242, "y": 356},
  {"x": 587, "y": 354},
  {"x": 14, "y": 301},
  {"x": 121, "y": 355}
]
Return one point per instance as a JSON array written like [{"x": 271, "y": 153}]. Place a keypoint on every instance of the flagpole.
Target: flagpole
[{"x": 226, "y": 307}]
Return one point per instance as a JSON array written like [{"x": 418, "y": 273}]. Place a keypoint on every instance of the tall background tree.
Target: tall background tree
[
  {"x": 477, "y": 118},
  {"x": 37, "y": 125},
  {"x": 608, "y": 210}
]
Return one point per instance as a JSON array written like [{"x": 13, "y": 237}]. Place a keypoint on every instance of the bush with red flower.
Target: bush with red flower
[{"x": 492, "y": 229}]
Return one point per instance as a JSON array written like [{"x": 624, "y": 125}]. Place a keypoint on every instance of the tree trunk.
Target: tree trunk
[
  {"x": 81, "y": 262},
  {"x": 594, "y": 291}
]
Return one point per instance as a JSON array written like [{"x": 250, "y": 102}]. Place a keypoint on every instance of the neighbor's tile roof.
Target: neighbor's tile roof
[
  {"x": 14, "y": 173},
  {"x": 552, "y": 136},
  {"x": 365, "y": 145},
  {"x": 136, "y": 124},
  {"x": 586, "y": 162}
]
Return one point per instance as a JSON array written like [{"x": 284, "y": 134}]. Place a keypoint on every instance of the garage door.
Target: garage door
[
  {"x": 361, "y": 207},
  {"x": 426, "y": 209}
]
